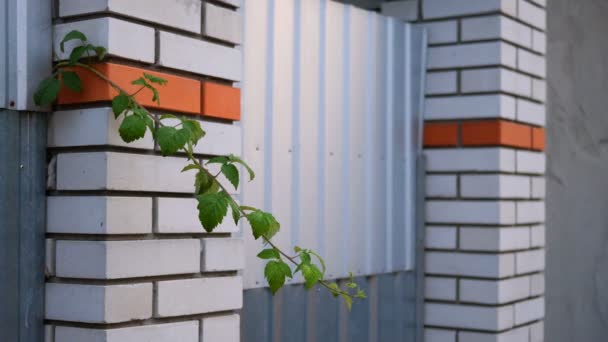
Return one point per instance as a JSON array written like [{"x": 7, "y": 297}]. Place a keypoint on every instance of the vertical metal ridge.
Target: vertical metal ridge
[
  {"x": 322, "y": 153},
  {"x": 369, "y": 116},
  {"x": 268, "y": 120},
  {"x": 389, "y": 139},
  {"x": 295, "y": 127},
  {"x": 346, "y": 90},
  {"x": 409, "y": 188}
]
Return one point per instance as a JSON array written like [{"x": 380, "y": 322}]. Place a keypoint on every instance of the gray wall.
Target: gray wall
[{"x": 577, "y": 175}]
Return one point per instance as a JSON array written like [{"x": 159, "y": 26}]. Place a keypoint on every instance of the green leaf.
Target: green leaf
[
  {"x": 269, "y": 253},
  {"x": 171, "y": 140},
  {"x": 305, "y": 257},
  {"x": 321, "y": 261},
  {"x": 275, "y": 273},
  {"x": 142, "y": 82},
  {"x": 335, "y": 289},
  {"x": 212, "y": 208},
  {"x": 120, "y": 103},
  {"x": 238, "y": 160},
  {"x": 218, "y": 160},
  {"x": 133, "y": 127},
  {"x": 202, "y": 182},
  {"x": 351, "y": 285},
  {"x": 155, "y": 79},
  {"x": 72, "y": 35},
  {"x": 194, "y": 127},
  {"x": 311, "y": 274},
  {"x": 232, "y": 173},
  {"x": 101, "y": 52},
  {"x": 167, "y": 116},
  {"x": 77, "y": 53},
  {"x": 236, "y": 214},
  {"x": 263, "y": 224},
  {"x": 190, "y": 167},
  {"x": 47, "y": 91},
  {"x": 155, "y": 95},
  {"x": 360, "y": 294},
  {"x": 347, "y": 300},
  {"x": 71, "y": 80}
]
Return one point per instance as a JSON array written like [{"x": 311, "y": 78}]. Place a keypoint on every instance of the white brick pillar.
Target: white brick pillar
[
  {"x": 127, "y": 259},
  {"x": 484, "y": 140}
]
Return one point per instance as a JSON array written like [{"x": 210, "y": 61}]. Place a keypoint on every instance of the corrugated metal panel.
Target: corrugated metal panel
[
  {"x": 331, "y": 95},
  {"x": 297, "y": 315}
]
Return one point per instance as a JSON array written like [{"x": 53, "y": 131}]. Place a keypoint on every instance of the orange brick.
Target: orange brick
[
  {"x": 180, "y": 94},
  {"x": 538, "y": 138},
  {"x": 440, "y": 134},
  {"x": 496, "y": 133},
  {"x": 221, "y": 101}
]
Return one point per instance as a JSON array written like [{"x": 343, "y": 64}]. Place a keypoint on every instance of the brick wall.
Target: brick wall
[
  {"x": 484, "y": 140},
  {"x": 127, "y": 259}
]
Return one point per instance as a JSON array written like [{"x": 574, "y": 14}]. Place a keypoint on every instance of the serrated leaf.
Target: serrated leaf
[
  {"x": 351, "y": 285},
  {"x": 202, "y": 182},
  {"x": 72, "y": 35},
  {"x": 133, "y": 127},
  {"x": 263, "y": 224},
  {"x": 155, "y": 95},
  {"x": 194, "y": 127},
  {"x": 47, "y": 91},
  {"x": 321, "y": 261},
  {"x": 347, "y": 300},
  {"x": 335, "y": 289},
  {"x": 305, "y": 257},
  {"x": 141, "y": 81},
  {"x": 101, "y": 52},
  {"x": 236, "y": 214},
  {"x": 190, "y": 167},
  {"x": 269, "y": 253},
  {"x": 218, "y": 160},
  {"x": 77, "y": 54},
  {"x": 232, "y": 173},
  {"x": 72, "y": 81},
  {"x": 120, "y": 103},
  {"x": 212, "y": 208},
  {"x": 155, "y": 79},
  {"x": 167, "y": 116},
  {"x": 360, "y": 294},
  {"x": 238, "y": 160},
  {"x": 275, "y": 273},
  {"x": 311, "y": 274},
  {"x": 171, "y": 140}
]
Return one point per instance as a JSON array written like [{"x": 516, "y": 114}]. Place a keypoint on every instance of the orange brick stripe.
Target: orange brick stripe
[
  {"x": 494, "y": 132},
  {"x": 180, "y": 94}
]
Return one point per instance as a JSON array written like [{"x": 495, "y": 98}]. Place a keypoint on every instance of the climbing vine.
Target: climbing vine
[{"x": 213, "y": 198}]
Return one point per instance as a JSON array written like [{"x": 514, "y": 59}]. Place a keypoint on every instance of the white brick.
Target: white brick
[
  {"x": 222, "y": 254},
  {"x": 50, "y": 257},
  {"x": 127, "y": 259},
  {"x": 531, "y": 112},
  {"x": 532, "y": 15},
  {"x": 406, "y": 10},
  {"x": 530, "y": 212},
  {"x": 537, "y": 332},
  {"x": 441, "y": 186},
  {"x": 477, "y": 54},
  {"x": 530, "y": 162},
  {"x": 482, "y": 212},
  {"x": 539, "y": 41},
  {"x": 514, "y": 335},
  {"x": 442, "y": 31},
  {"x": 216, "y": 60},
  {"x": 539, "y": 90},
  {"x": 441, "y": 237},
  {"x": 529, "y": 310},
  {"x": 469, "y": 264},
  {"x": 442, "y": 8},
  {"x": 221, "y": 328},
  {"x": 90, "y": 127},
  {"x": 115, "y": 35},
  {"x": 469, "y": 317},
  {"x": 222, "y": 23},
  {"x": 181, "y": 331},
  {"x": 495, "y": 79},
  {"x": 530, "y": 261},
  {"x": 219, "y": 139},
  {"x": 494, "y": 186},
  {"x": 440, "y": 288},
  {"x": 97, "y": 303},
  {"x": 441, "y": 82},
  {"x": 107, "y": 171},
  {"x": 184, "y": 14},
  {"x": 538, "y": 187},
  {"x": 99, "y": 215},
  {"x": 473, "y": 159},
  {"x": 180, "y": 215},
  {"x": 531, "y": 63},
  {"x": 537, "y": 236},
  {"x": 494, "y": 239},
  {"x": 470, "y": 107},
  {"x": 494, "y": 291},
  {"x": 496, "y": 27},
  {"x": 184, "y": 297},
  {"x": 439, "y": 335},
  {"x": 537, "y": 284}
]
